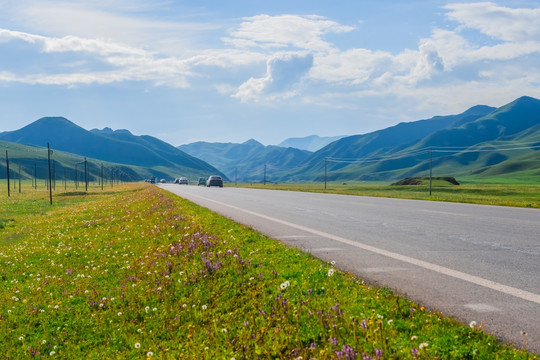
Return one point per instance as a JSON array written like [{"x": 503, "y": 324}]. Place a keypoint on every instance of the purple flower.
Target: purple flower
[
  {"x": 414, "y": 352},
  {"x": 333, "y": 341}
]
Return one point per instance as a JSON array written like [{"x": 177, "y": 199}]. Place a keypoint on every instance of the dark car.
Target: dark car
[
  {"x": 214, "y": 180},
  {"x": 202, "y": 181}
]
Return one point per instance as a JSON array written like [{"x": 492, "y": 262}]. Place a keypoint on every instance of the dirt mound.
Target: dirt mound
[{"x": 422, "y": 180}]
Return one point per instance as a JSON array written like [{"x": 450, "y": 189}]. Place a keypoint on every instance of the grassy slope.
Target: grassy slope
[{"x": 138, "y": 272}]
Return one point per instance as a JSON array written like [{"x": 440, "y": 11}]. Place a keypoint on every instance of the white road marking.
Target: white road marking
[
  {"x": 519, "y": 293},
  {"x": 325, "y": 249},
  {"x": 483, "y": 308},
  {"x": 294, "y": 236}
]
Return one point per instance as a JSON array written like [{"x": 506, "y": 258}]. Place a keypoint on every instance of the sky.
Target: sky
[{"x": 230, "y": 71}]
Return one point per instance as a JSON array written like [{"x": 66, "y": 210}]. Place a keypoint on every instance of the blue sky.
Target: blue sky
[{"x": 228, "y": 71}]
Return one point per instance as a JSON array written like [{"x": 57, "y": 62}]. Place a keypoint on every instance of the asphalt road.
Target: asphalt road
[{"x": 473, "y": 262}]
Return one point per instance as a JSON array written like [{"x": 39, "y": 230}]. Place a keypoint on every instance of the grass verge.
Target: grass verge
[
  {"x": 517, "y": 195},
  {"x": 139, "y": 273}
]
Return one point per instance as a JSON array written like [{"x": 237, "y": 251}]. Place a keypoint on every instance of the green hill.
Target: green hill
[
  {"x": 482, "y": 142},
  {"x": 149, "y": 155}
]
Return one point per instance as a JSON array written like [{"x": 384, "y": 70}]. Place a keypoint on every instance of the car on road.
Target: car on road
[
  {"x": 183, "y": 181},
  {"x": 202, "y": 181},
  {"x": 214, "y": 180},
  {"x": 162, "y": 181}
]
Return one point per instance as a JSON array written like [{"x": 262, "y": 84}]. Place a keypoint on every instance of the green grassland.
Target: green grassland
[
  {"x": 136, "y": 272},
  {"x": 501, "y": 192}
]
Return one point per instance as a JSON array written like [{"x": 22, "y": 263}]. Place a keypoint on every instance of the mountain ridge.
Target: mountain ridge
[{"x": 115, "y": 146}]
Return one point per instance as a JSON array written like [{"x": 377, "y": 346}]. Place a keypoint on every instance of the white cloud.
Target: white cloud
[
  {"x": 126, "y": 62},
  {"x": 499, "y": 22},
  {"x": 283, "y": 72},
  {"x": 270, "y": 32}
]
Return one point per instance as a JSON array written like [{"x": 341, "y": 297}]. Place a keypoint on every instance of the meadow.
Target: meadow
[{"x": 134, "y": 272}]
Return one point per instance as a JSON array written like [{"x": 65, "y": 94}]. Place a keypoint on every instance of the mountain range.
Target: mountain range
[
  {"x": 145, "y": 156},
  {"x": 247, "y": 161},
  {"x": 480, "y": 143}
]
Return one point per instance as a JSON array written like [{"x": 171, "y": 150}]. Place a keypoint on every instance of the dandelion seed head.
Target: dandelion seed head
[{"x": 137, "y": 345}]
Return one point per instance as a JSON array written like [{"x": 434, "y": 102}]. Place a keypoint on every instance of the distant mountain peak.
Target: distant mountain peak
[
  {"x": 252, "y": 142},
  {"x": 108, "y": 130}
]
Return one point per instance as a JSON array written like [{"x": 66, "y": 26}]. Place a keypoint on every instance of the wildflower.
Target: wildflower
[
  {"x": 147, "y": 308},
  {"x": 283, "y": 286},
  {"x": 413, "y": 337},
  {"x": 21, "y": 338},
  {"x": 149, "y": 354},
  {"x": 414, "y": 352},
  {"x": 119, "y": 313},
  {"x": 423, "y": 345},
  {"x": 44, "y": 342},
  {"x": 137, "y": 345},
  {"x": 330, "y": 272},
  {"x": 204, "y": 307},
  {"x": 333, "y": 262},
  {"x": 224, "y": 330},
  {"x": 472, "y": 324},
  {"x": 52, "y": 353}
]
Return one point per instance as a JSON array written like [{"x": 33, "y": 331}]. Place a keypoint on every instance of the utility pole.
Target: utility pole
[
  {"x": 325, "y": 162},
  {"x": 54, "y": 175},
  {"x": 7, "y": 169},
  {"x": 430, "y": 168},
  {"x": 50, "y": 177},
  {"x": 85, "y": 174}
]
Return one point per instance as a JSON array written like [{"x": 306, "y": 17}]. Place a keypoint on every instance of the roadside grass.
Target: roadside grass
[
  {"x": 502, "y": 194},
  {"x": 140, "y": 273}
]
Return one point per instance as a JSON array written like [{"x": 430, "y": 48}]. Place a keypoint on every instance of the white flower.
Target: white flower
[
  {"x": 204, "y": 307},
  {"x": 21, "y": 338},
  {"x": 119, "y": 313},
  {"x": 52, "y": 353},
  {"x": 137, "y": 345},
  {"x": 149, "y": 354},
  {"x": 330, "y": 272},
  {"x": 472, "y": 324},
  {"x": 223, "y": 330},
  {"x": 333, "y": 262},
  {"x": 423, "y": 345}
]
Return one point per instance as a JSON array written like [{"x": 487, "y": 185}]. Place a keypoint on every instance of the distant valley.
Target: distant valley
[{"x": 481, "y": 143}]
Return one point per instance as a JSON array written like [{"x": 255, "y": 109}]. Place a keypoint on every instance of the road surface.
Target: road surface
[{"x": 473, "y": 262}]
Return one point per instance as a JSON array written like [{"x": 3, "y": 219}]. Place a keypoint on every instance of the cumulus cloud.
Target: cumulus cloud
[{"x": 283, "y": 72}]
